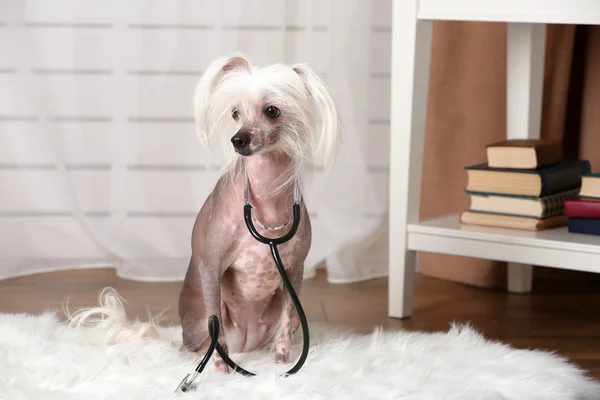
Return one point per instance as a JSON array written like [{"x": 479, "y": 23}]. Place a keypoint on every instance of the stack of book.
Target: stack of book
[
  {"x": 583, "y": 211},
  {"x": 523, "y": 185}
]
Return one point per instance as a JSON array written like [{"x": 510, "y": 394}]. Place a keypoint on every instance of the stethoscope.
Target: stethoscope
[{"x": 213, "y": 322}]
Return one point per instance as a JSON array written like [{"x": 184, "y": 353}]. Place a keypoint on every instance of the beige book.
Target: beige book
[
  {"x": 590, "y": 186},
  {"x": 511, "y": 221}
]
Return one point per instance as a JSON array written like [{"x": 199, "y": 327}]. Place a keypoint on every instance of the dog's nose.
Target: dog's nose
[{"x": 240, "y": 140}]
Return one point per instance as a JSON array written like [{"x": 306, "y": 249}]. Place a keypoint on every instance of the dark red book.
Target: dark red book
[{"x": 581, "y": 207}]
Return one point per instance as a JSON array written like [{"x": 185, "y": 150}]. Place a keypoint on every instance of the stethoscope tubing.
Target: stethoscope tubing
[{"x": 213, "y": 322}]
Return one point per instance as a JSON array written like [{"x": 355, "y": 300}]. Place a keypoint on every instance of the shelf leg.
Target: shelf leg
[
  {"x": 526, "y": 45},
  {"x": 411, "y": 52},
  {"x": 519, "y": 277}
]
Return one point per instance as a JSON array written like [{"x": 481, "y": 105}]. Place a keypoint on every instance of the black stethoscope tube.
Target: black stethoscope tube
[{"x": 213, "y": 322}]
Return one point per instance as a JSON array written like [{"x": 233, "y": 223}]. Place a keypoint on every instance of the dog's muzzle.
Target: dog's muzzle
[{"x": 241, "y": 143}]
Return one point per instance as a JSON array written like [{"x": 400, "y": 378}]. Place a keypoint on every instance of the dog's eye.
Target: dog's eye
[
  {"x": 272, "y": 111},
  {"x": 234, "y": 113}
]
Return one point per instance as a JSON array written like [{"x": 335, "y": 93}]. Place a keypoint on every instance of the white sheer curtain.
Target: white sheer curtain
[{"x": 99, "y": 162}]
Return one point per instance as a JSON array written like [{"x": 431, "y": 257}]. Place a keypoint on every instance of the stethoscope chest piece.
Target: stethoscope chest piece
[{"x": 184, "y": 385}]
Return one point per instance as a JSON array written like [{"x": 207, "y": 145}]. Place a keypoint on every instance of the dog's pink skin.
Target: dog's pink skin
[{"x": 233, "y": 276}]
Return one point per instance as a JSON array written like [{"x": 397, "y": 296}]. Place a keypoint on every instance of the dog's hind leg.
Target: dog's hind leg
[
  {"x": 195, "y": 332},
  {"x": 192, "y": 312}
]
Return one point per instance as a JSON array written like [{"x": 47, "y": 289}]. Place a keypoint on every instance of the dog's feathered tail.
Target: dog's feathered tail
[{"x": 110, "y": 317}]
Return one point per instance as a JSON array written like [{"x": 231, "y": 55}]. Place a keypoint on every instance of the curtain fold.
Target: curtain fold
[{"x": 99, "y": 162}]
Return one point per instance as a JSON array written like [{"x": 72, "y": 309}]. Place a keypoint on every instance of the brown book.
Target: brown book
[
  {"x": 512, "y": 221},
  {"x": 523, "y": 153}
]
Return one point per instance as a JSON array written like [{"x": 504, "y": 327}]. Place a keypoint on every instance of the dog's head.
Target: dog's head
[{"x": 259, "y": 109}]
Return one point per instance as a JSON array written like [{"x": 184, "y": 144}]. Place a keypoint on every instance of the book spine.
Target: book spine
[
  {"x": 563, "y": 179},
  {"x": 582, "y": 209},
  {"x": 554, "y": 205},
  {"x": 584, "y": 225},
  {"x": 499, "y": 213}
]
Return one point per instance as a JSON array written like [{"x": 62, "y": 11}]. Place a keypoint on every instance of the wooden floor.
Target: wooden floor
[{"x": 559, "y": 315}]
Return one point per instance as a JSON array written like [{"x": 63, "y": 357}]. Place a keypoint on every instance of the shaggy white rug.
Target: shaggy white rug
[{"x": 42, "y": 358}]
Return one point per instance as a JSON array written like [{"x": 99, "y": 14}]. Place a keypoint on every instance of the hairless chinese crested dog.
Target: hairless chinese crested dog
[{"x": 266, "y": 118}]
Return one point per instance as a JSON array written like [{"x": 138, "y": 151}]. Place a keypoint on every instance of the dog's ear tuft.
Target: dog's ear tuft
[
  {"x": 331, "y": 127},
  {"x": 237, "y": 61},
  {"x": 205, "y": 87}
]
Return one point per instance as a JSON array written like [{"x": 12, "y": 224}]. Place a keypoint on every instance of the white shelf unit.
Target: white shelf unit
[
  {"x": 553, "y": 247},
  {"x": 412, "y": 22}
]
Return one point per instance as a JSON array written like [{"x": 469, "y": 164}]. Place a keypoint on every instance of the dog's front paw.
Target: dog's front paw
[
  {"x": 220, "y": 364},
  {"x": 282, "y": 358},
  {"x": 282, "y": 353}
]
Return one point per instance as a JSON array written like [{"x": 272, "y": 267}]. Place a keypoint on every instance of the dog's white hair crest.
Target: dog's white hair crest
[{"x": 302, "y": 96}]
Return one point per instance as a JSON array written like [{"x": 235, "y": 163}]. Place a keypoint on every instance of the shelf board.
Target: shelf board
[
  {"x": 582, "y": 12},
  {"x": 553, "y": 247}
]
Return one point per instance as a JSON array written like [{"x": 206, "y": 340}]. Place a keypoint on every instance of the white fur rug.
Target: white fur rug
[{"x": 41, "y": 358}]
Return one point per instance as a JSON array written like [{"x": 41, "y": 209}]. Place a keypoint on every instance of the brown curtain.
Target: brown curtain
[{"x": 467, "y": 110}]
